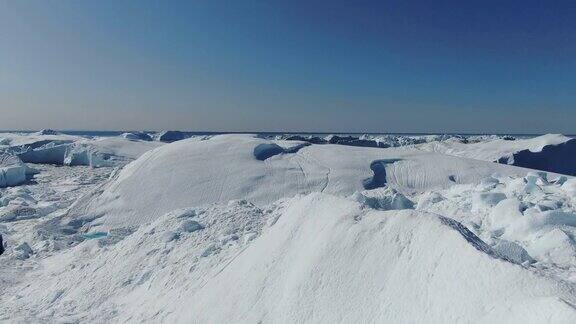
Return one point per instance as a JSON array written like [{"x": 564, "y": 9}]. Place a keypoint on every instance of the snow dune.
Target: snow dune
[
  {"x": 313, "y": 258},
  {"x": 326, "y": 260},
  {"x": 551, "y": 152},
  {"x": 196, "y": 172}
]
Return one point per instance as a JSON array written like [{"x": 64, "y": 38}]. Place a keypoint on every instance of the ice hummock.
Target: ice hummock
[{"x": 12, "y": 170}]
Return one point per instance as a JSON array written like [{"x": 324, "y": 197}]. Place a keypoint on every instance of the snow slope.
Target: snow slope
[
  {"x": 494, "y": 149},
  {"x": 560, "y": 158},
  {"x": 407, "y": 267},
  {"x": 316, "y": 258},
  {"x": 196, "y": 172},
  {"x": 551, "y": 152},
  {"x": 239, "y": 228}
]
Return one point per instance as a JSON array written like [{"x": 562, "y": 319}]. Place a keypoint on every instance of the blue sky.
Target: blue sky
[{"x": 356, "y": 66}]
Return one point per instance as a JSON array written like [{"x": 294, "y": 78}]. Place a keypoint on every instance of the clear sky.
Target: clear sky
[{"x": 344, "y": 66}]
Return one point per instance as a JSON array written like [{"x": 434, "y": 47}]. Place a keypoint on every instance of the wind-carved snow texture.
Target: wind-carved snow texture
[
  {"x": 203, "y": 230},
  {"x": 560, "y": 158},
  {"x": 267, "y": 150},
  {"x": 550, "y": 152},
  {"x": 379, "y": 178}
]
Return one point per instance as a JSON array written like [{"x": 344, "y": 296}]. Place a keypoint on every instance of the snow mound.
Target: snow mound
[
  {"x": 558, "y": 158},
  {"x": 176, "y": 253},
  {"x": 325, "y": 260},
  {"x": 551, "y": 152},
  {"x": 198, "y": 172},
  {"x": 315, "y": 258},
  {"x": 12, "y": 170}
]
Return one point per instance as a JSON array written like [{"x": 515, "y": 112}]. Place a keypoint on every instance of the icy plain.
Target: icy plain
[{"x": 289, "y": 229}]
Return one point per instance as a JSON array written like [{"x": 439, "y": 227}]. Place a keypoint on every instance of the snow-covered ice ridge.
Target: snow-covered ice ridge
[{"x": 255, "y": 228}]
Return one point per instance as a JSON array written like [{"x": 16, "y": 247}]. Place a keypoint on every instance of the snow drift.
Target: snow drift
[
  {"x": 300, "y": 271},
  {"x": 317, "y": 258},
  {"x": 196, "y": 172},
  {"x": 551, "y": 152},
  {"x": 559, "y": 158}
]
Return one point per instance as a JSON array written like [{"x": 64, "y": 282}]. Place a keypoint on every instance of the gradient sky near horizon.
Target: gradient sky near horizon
[{"x": 341, "y": 66}]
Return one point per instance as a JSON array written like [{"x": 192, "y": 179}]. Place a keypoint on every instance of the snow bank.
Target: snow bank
[
  {"x": 325, "y": 260},
  {"x": 317, "y": 258},
  {"x": 559, "y": 158},
  {"x": 551, "y": 152},
  {"x": 196, "y": 172}
]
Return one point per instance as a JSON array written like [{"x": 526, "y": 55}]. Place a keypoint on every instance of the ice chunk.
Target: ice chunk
[
  {"x": 47, "y": 131},
  {"x": 23, "y": 251},
  {"x": 554, "y": 246},
  {"x": 486, "y": 199},
  {"x": 505, "y": 213},
  {"x": 48, "y": 154},
  {"x": 78, "y": 154},
  {"x": 190, "y": 226},
  {"x": 383, "y": 199},
  {"x": 137, "y": 136},
  {"x": 569, "y": 186},
  {"x": 512, "y": 252},
  {"x": 12, "y": 170},
  {"x": 428, "y": 199}
]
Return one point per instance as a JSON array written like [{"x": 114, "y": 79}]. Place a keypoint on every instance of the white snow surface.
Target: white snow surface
[
  {"x": 197, "y": 172},
  {"x": 242, "y": 229},
  {"x": 493, "y": 149}
]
